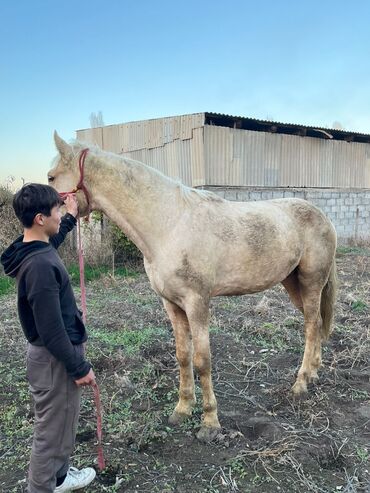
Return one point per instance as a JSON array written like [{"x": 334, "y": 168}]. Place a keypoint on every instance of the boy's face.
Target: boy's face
[{"x": 51, "y": 223}]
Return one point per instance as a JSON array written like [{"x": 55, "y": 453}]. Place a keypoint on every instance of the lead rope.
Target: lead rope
[
  {"x": 82, "y": 272},
  {"x": 98, "y": 407},
  {"x": 99, "y": 433}
]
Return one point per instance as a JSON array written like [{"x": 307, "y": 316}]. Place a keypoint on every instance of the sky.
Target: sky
[{"x": 288, "y": 61}]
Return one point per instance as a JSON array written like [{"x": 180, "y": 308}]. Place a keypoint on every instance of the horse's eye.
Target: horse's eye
[{"x": 51, "y": 178}]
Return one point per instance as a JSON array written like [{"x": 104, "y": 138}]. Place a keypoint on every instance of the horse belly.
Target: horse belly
[
  {"x": 253, "y": 279},
  {"x": 239, "y": 288}
]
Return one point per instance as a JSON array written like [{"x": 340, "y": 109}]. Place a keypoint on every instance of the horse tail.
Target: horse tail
[{"x": 328, "y": 297}]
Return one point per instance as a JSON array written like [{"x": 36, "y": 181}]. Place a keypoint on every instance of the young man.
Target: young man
[{"x": 52, "y": 324}]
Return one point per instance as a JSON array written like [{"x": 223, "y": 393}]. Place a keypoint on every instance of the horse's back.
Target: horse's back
[{"x": 292, "y": 213}]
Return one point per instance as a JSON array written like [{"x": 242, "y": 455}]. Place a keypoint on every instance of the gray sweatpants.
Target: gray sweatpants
[{"x": 57, "y": 407}]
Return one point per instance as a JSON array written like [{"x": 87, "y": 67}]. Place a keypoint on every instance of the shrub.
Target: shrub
[
  {"x": 10, "y": 227},
  {"x": 104, "y": 244}
]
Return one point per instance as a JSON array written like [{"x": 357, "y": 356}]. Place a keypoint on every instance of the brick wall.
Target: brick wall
[{"x": 349, "y": 210}]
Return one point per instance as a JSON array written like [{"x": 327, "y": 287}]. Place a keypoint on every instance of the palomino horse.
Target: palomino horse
[{"x": 197, "y": 245}]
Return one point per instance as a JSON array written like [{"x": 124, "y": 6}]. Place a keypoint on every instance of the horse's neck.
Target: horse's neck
[{"x": 143, "y": 203}]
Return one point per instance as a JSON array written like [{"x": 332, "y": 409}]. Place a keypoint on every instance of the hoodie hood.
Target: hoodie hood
[{"x": 14, "y": 256}]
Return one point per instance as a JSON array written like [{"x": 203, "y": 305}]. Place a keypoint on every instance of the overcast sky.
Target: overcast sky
[{"x": 294, "y": 62}]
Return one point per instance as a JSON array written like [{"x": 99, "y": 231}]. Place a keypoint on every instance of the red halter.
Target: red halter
[{"x": 80, "y": 185}]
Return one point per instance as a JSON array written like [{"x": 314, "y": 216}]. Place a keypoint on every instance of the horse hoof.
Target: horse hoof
[
  {"x": 206, "y": 434},
  {"x": 177, "y": 418},
  {"x": 314, "y": 378},
  {"x": 299, "y": 389}
]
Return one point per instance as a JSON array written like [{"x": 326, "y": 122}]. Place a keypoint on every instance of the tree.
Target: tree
[
  {"x": 96, "y": 119},
  {"x": 337, "y": 126}
]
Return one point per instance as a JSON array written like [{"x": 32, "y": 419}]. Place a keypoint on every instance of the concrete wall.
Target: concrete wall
[{"x": 348, "y": 209}]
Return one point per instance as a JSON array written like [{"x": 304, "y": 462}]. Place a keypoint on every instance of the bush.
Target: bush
[
  {"x": 10, "y": 227},
  {"x": 124, "y": 249},
  {"x": 104, "y": 244}
]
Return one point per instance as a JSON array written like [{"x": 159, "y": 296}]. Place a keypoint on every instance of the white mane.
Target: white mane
[{"x": 188, "y": 194}]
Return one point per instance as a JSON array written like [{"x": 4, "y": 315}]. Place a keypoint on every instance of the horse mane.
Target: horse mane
[
  {"x": 194, "y": 195},
  {"x": 189, "y": 195}
]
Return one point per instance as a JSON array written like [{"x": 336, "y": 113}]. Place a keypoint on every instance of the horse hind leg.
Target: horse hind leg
[
  {"x": 305, "y": 291},
  {"x": 184, "y": 355},
  {"x": 310, "y": 289}
]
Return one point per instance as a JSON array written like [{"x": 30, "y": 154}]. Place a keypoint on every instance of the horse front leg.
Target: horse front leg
[
  {"x": 184, "y": 355},
  {"x": 198, "y": 315}
]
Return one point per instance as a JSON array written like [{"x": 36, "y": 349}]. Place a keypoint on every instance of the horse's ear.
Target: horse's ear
[{"x": 65, "y": 150}]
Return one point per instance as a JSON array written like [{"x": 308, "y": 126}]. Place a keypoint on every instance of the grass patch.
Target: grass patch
[
  {"x": 270, "y": 336},
  {"x": 7, "y": 285},
  {"x": 131, "y": 341},
  {"x": 353, "y": 250},
  {"x": 92, "y": 273},
  {"x": 359, "y": 306}
]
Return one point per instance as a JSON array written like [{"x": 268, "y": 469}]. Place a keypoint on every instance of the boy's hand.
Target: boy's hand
[
  {"x": 71, "y": 205},
  {"x": 88, "y": 379}
]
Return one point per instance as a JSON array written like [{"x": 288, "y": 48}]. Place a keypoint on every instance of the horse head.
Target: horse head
[{"x": 66, "y": 176}]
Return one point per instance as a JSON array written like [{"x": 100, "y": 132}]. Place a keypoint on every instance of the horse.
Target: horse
[{"x": 196, "y": 245}]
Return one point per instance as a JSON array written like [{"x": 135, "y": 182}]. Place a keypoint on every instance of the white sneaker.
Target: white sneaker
[{"x": 76, "y": 479}]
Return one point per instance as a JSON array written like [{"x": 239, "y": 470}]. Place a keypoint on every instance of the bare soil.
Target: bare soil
[{"x": 269, "y": 441}]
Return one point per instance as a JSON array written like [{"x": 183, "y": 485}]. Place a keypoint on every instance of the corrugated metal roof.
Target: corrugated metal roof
[{"x": 247, "y": 123}]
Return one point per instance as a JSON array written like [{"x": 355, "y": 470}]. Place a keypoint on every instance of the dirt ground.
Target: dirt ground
[{"x": 269, "y": 442}]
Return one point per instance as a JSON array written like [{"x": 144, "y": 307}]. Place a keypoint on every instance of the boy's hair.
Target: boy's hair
[{"x": 32, "y": 199}]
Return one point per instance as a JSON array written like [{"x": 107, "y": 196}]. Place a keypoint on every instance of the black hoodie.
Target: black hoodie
[{"x": 46, "y": 304}]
